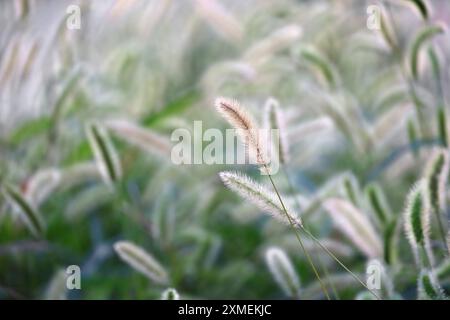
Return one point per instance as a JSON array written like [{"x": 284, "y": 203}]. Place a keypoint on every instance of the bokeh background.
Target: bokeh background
[{"x": 355, "y": 117}]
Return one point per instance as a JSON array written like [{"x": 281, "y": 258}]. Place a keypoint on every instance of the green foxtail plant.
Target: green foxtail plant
[
  {"x": 417, "y": 224},
  {"x": 141, "y": 261},
  {"x": 283, "y": 271},
  {"x": 247, "y": 128}
]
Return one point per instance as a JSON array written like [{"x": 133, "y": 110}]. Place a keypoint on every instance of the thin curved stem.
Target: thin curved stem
[
  {"x": 339, "y": 262},
  {"x": 322, "y": 265},
  {"x": 308, "y": 257}
]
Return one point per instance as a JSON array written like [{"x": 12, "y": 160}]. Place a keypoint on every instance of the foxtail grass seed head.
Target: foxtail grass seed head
[
  {"x": 417, "y": 217},
  {"x": 423, "y": 36},
  {"x": 383, "y": 131},
  {"x": 144, "y": 139},
  {"x": 278, "y": 40},
  {"x": 41, "y": 185},
  {"x": 87, "y": 201},
  {"x": 442, "y": 126},
  {"x": 105, "y": 154},
  {"x": 283, "y": 271},
  {"x": 412, "y": 136},
  {"x": 22, "y": 8},
  {"x": 429, "y": 288},
  {"x": 141, "y": 261},
  {"x": 246, "y": 127},
  {"x": 355, "y": 225},
  {"x": 422, "y": 7},
  {"x": 320, "y": 65},
  {"x": 390, "y": 243},
  {"x": 351, "y": 187},
  {"x": 386, "y": 29},
  {"x": 163, "y": 223},
  {"x": 310, "y": 129},
  {"x": 27, "y": 211},
  {"x": 436, "y": 175},
  {"x": 259, "y": 196},
  {"x": 57, "y": 288},
  {"x": 378, "y": 203},
  {"x": 275, "y": 119},
  {"x": 222, "y": 21},
  {"x": 434, "y": 56},
  {"x": 170, "y": 294},
  {"x": 79, "y": 174}
]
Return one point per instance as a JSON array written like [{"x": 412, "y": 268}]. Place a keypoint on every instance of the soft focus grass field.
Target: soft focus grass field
[{"x": 365, "y": 111}]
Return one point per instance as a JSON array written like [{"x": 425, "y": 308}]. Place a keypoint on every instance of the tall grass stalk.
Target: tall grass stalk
[
  {"x": 141, "y": 261},
  {"x": 417, "y": 224},
  {"x": 308, "y": 257},
  {"x": 436, "y": 180},
  {"x": 283, "y": 271},
  {"x": 241, "y": 120},
  {"x": 322, "y": 265}
]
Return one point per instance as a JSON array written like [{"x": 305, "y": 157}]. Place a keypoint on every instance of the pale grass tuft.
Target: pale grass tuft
[
  {"x": 87, "y": 200},
  {"x": 142, "y": 261},
  {"x": 220, "y": 19},
  {"x": 283, "y": 271},
  {"x": 170, "y": 294},
  {"x": 428, "y": 287},
  {"x": 22, "y": 8},
  {"x": 355, "y": 225},
  {"x": 280, "y": 39},
  {"x": 422, "y": 7},
  {"x": 57, "y": 289},
  {"x": 260, "y": 196},
  {"x": 106, "y": 157},
  {"x": 423, "y": 35},
  {"x": 387, "y": 30},
  {"x": 310, "y": 129},
  {"x": 41, "y": 185},
  {"x": 275, "y": 119},
  {"x": 383, "y": 131},
  {"x": 28, "y": 213},
  {"x": 79, "y": 174},
  {"x": 246, "y": 128},
  {"x": 145, "y": 139}
]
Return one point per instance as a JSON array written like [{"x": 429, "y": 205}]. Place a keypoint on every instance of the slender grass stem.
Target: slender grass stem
[
  {"x": 322, "y": 265},
  {"x": 339, "y": 261},
  {"x": 410, "y": 83},
  {"x": 317, "y": 241},
  {"x": 328, "y": 278},
  {"x": 308, "y": 257}
]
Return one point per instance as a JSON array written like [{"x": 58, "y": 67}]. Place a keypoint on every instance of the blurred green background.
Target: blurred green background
[{"x": 354, "y": 113}]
